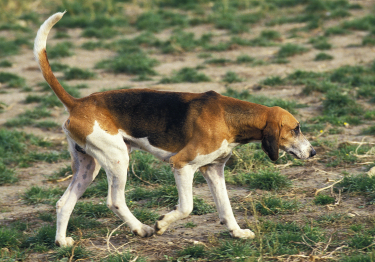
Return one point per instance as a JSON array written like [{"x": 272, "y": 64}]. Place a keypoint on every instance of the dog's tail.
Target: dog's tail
[{"x": 41, "y": 57}]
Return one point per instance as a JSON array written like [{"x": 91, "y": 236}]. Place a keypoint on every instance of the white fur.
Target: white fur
[{"x": 41, "y": 37}]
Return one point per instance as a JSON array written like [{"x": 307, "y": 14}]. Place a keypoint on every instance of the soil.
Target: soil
[{"x": 347, "y": 50}]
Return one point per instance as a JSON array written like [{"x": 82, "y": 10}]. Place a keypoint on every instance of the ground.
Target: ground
[{"x": 349, "y": 210}]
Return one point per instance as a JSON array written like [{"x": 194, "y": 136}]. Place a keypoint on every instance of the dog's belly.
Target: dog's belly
[{"x": 144, "y": 145}]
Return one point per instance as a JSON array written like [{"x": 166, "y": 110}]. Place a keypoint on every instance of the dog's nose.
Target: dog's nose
[{"x": 312, "y": 152}]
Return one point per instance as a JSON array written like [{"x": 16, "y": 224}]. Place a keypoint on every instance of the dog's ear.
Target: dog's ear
[{"x": 270, "y": 141}]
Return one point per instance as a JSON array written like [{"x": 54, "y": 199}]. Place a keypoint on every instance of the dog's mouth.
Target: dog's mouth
[{"x": 293, "y": 154}]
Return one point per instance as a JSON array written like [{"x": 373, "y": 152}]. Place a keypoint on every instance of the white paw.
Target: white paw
[
  {"x": 242, "y": 233},
  {"x": 161, "y": 226},
  {"x": 143, "y": 231},
  {"x": 68, "y": 241}
]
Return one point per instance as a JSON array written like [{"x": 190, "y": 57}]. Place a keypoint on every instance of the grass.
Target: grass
[
  {"x": 320, "y": 43},
  {"x": 90, "y": 210},
  {"x": 130, "y": 63},
  {"x": 289, "y": 50},
  {"x": 74, "y": 253},
  {"x": 8, "y": 47},
  {"x": 78, "y": 73},
  {"x": 36, "y": 195},
  {"x": 42, "y": 239},
  {"x": 100, "y": 33},
  {"x": 63, "y": 49},
  {"x": 231, "y": 77},
  {"x": 272, "y": 205},
  {"x": 323, "y": 57},
  {"x": 12, "y": 80},
  {"x": 5, "y": 63},
  {"x": 362, "y": 184},
  {"x": 324, "y": 200},
  {"x": 124, "y": 257},
  {"x": 186, "y": 74},
  {"x": 193, "y": 252}
]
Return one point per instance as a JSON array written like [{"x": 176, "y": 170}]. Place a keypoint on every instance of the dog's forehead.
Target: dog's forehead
[{"x": 288, "y": 120}]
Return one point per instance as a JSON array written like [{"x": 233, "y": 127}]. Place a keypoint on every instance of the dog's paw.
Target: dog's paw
[
  {"x": 67, "y": 242},
  {"x": 144, "y": 231},
  {"x": 161, "y": 226},
  {"x": 243, "y": 233}
]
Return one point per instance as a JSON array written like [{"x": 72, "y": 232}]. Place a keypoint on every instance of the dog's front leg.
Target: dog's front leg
[
  {"x": 214, "y": 175},
  {"x": 184, "y": 181}
]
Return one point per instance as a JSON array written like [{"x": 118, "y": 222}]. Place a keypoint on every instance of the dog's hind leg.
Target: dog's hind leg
[
  {"x": 85, "y": 168},
  {"x": 112, "y": 153},
  {"x": 214, "y": 175},
  {"x": 184, "y": 181}
]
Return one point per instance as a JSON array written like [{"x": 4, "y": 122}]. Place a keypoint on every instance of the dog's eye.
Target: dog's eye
[{"x": 296, "y": 130}]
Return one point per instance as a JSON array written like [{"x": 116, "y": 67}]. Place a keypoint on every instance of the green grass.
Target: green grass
[
  {"x": 5, "y": 63},
  {"x": 55, "y": 66},
  {"x": 42, "y": 239},
  {"x": 157, "y": 21},
  {"x": 369, "y": 131},
  {"x": 323, "y": 57},
  {"x": 231, "y": 77},
  {"x": 82, "y": 222},
  {"x": 320, "y": 43},
  {"x": 7, "y": 175},
  {"x": 8, "y": 47},
  {"x": 289, "y": 50},
  {"x": 12, "y": 80},
  {"x": 137, "y": 63},
  {"x": 90, "y": 210},
  {"x": 10, "y": 238},
  {"x": 124, "y": 257},
  {"x": 63, "y": 49},
  {"x": 36, "y": 195},
  {"x": 273, "y": 81},
  {"x": 76, "y": 253},
  {"x": 100, "y": 33},
  {"x": 201, "y": 207},
  {"x": 185, "y": 74},
  {"x": 78, "y": 73},
  {"x": 272, "y": 205},
  {"x": 362, "y": 184},
  {"x": 323, "y": 200},
  {"x": 193, "y": 252},
  {"x": 190, "y": 225},
  {"x": 145, "y": 215}
]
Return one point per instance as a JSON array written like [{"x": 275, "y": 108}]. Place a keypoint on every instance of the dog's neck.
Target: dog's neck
[{"x": 246, "y": 121}]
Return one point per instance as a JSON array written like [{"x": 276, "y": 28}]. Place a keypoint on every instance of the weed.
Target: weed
[
  {"x": 201, "y": 207},
  {"x": 186, "y": 74},
  {"x": 273, "y": 81},
  {"x": 78, "y": 73},
  {"x": 245, "y": 59},
  {"x": 10, "y": 238},
  {"x": 37, "y": 194},
  {"x": 335, "y": 30},
  {"x": 60, "y": 50},
  {"x": 11, "y": 79},
  {"x": 360, "y": 241},
  {"x": 288, "y": 50},
  {"x": 232, "y": 77},
  {"x": 7, "y": 176},
  {"x": 101, "y": 33},
  {"x": 5, "y": 63},
  {"x": 324, "y": 200},
  {"x": 267, "y": 180},
  {"x": 333, "y": 218},
  {"x": 91, "y": 210},
  {"x": 271, "y": 205},
  {"x": 320, "y": 43},
  {"x": 124, "y": 257},
  {"x": 190, "y": 225},
  {"x": 230, "y": 250},
  {"x": 363, "y": 184},
  {"x": 79, "y": 253},
  {"x": 8, "y": 48},
  {"x": 323, "y": 57},
  {"x": 92, "y": 45},
  {"x": 131, "y": 63},
  {"x": 220, "y": 61},
  {"x": 193, "y": 251},
  {"x": 363, "y": 23},
  {"x": 56, "y": 67},
  {"x": 145, "y": 215},
  {"x": 43, "y": 239}
]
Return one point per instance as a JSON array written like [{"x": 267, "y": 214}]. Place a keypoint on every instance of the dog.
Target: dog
[{"x": 190, "y": 131}]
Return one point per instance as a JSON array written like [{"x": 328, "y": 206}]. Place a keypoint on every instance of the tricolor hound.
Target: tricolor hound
[{"x": 189, "y": 131}]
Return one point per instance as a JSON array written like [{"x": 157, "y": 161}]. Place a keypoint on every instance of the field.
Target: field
[{"x": 315, "y": 58}]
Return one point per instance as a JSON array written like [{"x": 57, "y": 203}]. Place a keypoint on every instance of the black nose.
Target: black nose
[{"x": 312, "y": 152}]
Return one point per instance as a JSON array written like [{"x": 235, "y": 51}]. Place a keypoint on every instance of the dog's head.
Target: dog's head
[{"x": 282, "y": 131}]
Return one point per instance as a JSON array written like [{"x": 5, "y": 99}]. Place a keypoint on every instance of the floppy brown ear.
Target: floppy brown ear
[{"x": 270, "y": 141}]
